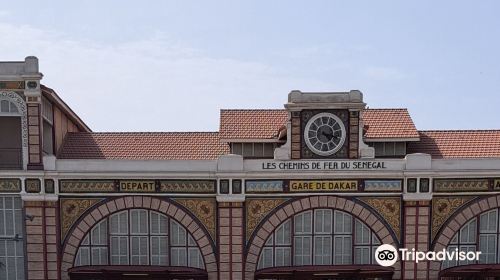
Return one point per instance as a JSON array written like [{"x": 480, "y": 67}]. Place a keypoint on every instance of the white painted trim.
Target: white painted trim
[
  {"x": 417, "y": 196},
  {"x": 39, "y": 197},
  {"x": 230, "y": 198}
]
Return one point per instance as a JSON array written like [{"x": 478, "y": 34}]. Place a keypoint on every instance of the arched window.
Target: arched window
[
  {"x": 139, "y": 237},
  {"x": 319, "y": 237},
  {"x": 11, "y": 153},
  {"x": 479, "y": 234},
  {"x": 8, "y": 108}
]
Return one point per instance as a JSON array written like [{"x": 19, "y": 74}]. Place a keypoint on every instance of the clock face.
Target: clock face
[{"x": 324, "y": 134}]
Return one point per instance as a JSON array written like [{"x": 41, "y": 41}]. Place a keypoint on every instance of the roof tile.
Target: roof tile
[
  {"x": 458, "y": 143},
  {"x": 388, "y": 123},
  {"x": 251, "y": 124},
  {"x": 143, "y": 146}
]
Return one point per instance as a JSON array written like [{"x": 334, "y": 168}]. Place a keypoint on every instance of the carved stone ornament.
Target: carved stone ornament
[
  {"x": 10, "y": 185},
  {"x": 458, "y": 185},
  {"x": 389, "y": 208},
  {"x": 80, "y": 186},
  {"x": 258, "y": 209},
  {"x": 443, "y": 208},
  {"x": 72, "y": 209},
  {"x": 187, "y": 186},
  {"x": 32, "y": 185},
  {"x": 204, "y": 209}
]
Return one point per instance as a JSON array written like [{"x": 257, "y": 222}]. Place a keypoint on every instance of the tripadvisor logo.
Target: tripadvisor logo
[{"x": 387, "y": 255}]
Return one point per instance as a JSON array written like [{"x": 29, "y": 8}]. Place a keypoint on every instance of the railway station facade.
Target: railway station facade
[{"x": 305, "y": 192}]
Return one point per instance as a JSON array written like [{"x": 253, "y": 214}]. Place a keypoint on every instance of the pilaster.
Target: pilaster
[
  {"x": 230, "y": 240},
  {"x": 416, "y": 236},
  {"x": 41, "y": 240}
]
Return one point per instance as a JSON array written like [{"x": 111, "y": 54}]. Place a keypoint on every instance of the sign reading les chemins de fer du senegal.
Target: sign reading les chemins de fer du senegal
[
  {"x": 137, "y": 186},
  {"x": 315, "y": 186},
  {"x": 324, "y": 165}
]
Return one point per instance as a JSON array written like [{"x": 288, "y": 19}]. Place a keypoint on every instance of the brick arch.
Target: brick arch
[
  {"x": 291, "y": 208},
  {"x": 163, "y": 205},
  {"x": 455, "y": 223}
]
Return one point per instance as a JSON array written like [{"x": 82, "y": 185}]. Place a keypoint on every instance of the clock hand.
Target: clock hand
[{"x": 328, "y": 135}]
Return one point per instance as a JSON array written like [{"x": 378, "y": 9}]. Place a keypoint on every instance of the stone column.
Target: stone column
[
  {"x": 416, "y": 235},
  {"x": 230, "y": 240}
]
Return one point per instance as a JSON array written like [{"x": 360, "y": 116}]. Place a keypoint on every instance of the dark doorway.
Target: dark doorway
[
  {"x": 335, "y": 272},
  {"x": 10, "y": 143},
  {"x": 123, "y": 272}
]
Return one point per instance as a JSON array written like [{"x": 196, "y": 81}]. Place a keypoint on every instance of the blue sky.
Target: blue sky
[{"x": 171, "y": 65}]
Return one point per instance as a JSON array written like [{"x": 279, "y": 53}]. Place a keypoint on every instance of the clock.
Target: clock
[{"x": 324, "y": 134}]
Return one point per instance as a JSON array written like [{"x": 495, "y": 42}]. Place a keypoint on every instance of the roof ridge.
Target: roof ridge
[
  {"x": 256, "y": 110},
  {"x": 394, "y": 109},
  {"x": 460, "y": 130},
  {"x": 146, "y": 132}
]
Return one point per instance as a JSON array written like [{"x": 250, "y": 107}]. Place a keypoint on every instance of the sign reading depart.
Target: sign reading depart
[
  {"x": 137, "y": 186},
  {"x": 318, "y": 186}
]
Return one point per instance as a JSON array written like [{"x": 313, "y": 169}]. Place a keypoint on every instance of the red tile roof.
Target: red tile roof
[
  {"x": 388, "y": 123},
  {"x": 265, "y": 124},
  {"x": 143, "y": 146},
  {"x": 458, "y": 143},
  {"x": 251, "y": 124}
]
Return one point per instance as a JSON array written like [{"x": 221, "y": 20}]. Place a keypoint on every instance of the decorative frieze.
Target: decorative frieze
[
  {"x": 10, "y": 185},
  {"x": 49, "y": 186},
  {"x": 496, "y": 184},
  {"x": 86, "y": 186},
  {"x": 137, "y": 186},
  {"x": 32, "y": 185},
  {"x": 443, "y": 208},
  {"x": 263, "y": 186},
  {"x": 389, "y": 208},
  {"x": 460, "y": 185},
  {"x": 383, "y": 185},
  {"x": 187, "y": 186},
  {"x": 72, "y": 209},
  {"x": 12, "y": 85},
  {"x": 204, "y": 209},
  {"x": 257, "y": 210}
]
